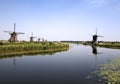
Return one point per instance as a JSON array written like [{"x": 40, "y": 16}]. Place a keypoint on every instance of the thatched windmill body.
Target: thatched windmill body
[
  {"x": 41, "y": 39},
  {"x": 13, "y": 35},
  {"x": 95, "y": 37}
]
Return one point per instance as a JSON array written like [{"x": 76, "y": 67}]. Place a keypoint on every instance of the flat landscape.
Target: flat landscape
[{"x": 59, "y": 41}]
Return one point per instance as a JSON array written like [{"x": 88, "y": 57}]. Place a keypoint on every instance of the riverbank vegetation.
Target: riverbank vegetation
[
  {"x": 110, "y": 45},
  {"x": 31, "y": 47},
  {"x": 106, "y": 44}
]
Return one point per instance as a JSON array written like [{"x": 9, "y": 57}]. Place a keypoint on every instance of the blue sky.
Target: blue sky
[{"x": 61, "y": 19}]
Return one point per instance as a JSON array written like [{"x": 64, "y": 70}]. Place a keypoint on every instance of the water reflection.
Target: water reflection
[
  {"x": 95, "y": 53},
  {"x": 104, "y": 71},
  {"x": 69, "y": 67},
  {"x": 94, "y": 50},
  {"x": 30, "y": 53},
  {"x": 14, "y": 56},
  {"x": 14, "y": 62}
]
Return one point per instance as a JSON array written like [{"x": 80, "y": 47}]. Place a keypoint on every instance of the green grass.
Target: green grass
[
  {"x": 110, "y": 45},
  {"x": 114, "y": 45},
  {"x": 31, "y": 47},
  {"x": 108, "y": 73}
]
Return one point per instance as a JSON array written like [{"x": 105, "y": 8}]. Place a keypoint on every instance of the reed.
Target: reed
[
  {"x": 110, "y": 45},
  {"x": 31, "y": 47}
]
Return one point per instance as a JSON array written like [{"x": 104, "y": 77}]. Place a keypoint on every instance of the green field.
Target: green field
[{"x": 31, "y": 47}]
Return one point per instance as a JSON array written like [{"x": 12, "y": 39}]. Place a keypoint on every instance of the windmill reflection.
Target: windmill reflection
[
  {"x": 14, "y": 62},
  {"x": 95, "y": 53},
  {"x": 94, "y": 50}
]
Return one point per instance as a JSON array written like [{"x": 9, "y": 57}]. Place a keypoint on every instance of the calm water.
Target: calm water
[{"x": 68, "y": 67}]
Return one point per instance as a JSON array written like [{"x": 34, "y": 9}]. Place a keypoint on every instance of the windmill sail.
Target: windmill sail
[
  {"x": 8, "y": 31},
  {"x": 13, "y": 35},
  {"x": 95, "y": 37},
  {"x": 14, "y": 27},
  {"x": 31, "y": 38}
]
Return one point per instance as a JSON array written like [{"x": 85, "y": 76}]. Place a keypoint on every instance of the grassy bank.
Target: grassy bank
[
  {"x": 114, "y": 45},
  {"x": 28, "y": 47},
  {"x": 110, "y": 45}
]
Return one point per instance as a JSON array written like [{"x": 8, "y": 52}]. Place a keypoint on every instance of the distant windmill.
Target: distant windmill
[
  {"x": 31, "y": 38},
  {"x": 40, "y": 39},
  {"x": 13, "y": 35},
  {"x": 95, "y": 37}
]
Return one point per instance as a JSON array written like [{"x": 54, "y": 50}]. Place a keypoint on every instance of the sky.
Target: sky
[{"x": 57, "y": 20}]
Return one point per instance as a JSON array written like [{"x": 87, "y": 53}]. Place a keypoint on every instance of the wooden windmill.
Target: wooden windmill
[
  {"x": 42, "y": 39},
  {"x": 13, "y": 35},
  {"x": 31, "y": 38},
  {"x": 95, "y": 37}
]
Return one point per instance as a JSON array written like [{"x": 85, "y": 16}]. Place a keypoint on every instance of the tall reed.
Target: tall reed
[{"x": 25, "y": 47}]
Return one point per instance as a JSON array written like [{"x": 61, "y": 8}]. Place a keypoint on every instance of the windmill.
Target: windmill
[
  {"x": 41, "y": 39},
  {"x": 31, "y": 38},
  {"x": 13, "y": 35},
  {"x": 95, "y": 37}
]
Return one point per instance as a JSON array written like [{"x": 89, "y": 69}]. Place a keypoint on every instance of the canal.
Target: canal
[{"x": 68, "y": 67}]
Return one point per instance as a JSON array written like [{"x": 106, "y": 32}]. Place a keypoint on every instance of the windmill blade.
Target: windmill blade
[
  {"x": 14, "y": 27},
  {"x": 8, "y": 31},
  {"x": 31, "y": 34},
  {"x": 34, "y": 37},
  {"x": 100, "y": 36},
  {"x": 90, "y": 34},
  {"x": 96, "y": 31},
  {"x": 20, "y": 33}
]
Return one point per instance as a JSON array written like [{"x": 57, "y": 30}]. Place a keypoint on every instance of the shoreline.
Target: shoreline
[
  {"x": 104, "y": 44},
  {"x": 8, "y": 49}
]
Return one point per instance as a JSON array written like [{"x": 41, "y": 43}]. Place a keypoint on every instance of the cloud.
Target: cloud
[{"x": 98, "y": 3}]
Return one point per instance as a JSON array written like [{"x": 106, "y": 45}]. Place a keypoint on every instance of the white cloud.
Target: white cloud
[{"x": 98, "y": 3}]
